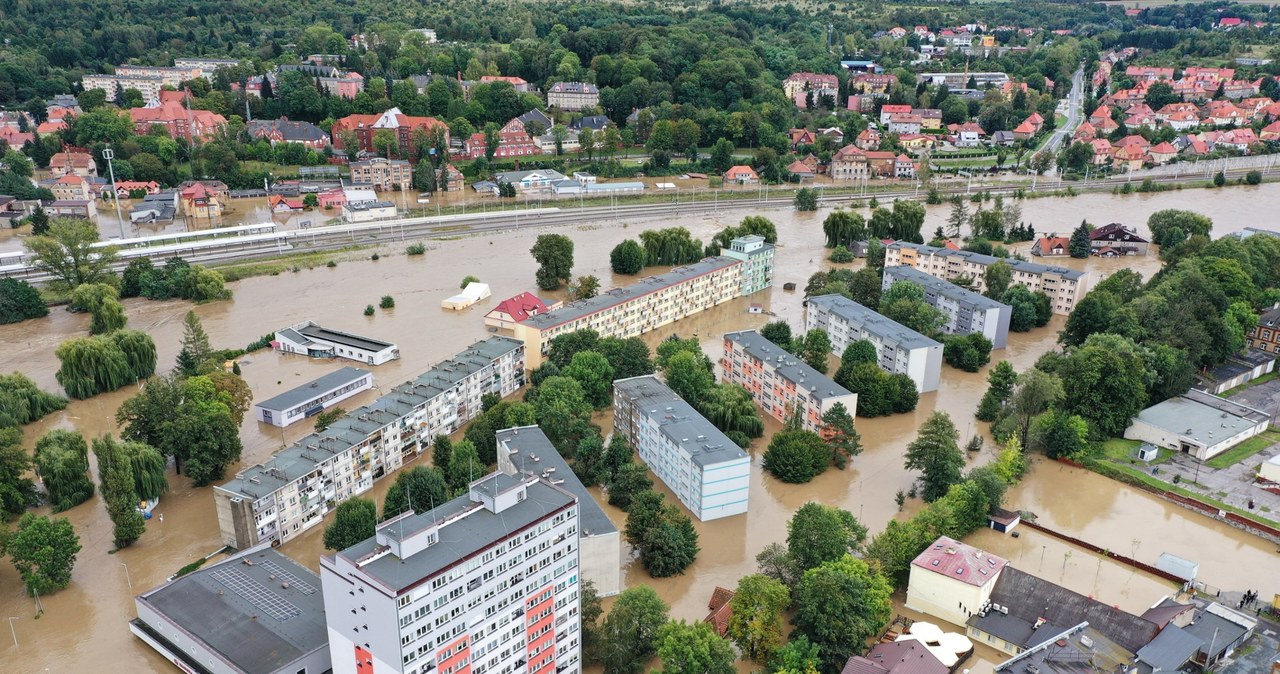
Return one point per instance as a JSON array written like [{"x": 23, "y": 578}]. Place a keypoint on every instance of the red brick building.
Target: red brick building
[{"x": 366, "y": 126}]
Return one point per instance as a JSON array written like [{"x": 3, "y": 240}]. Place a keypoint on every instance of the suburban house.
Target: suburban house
[
  {"x": 512, "y": 310},
  {"x": 279, "y": 203},
  {"x": 126, "y": 188},
  {"x": 952, "y": 580},
  {"x": 200, "y": 201},
  {"x": 513, "y": 141},
  {"x": 849, "y": 163},
  {"x": 1266, "y": 334},
  {"x": 366, "y": 127},
  {"x": 905, "y": 656},
  {"x": 1117, "y": 239},
  {"x": 1197, "y": 423},
  {"x": 1052, "y": 246},
  {"x": 1203, "y": 633},
  {"x": 77, "y": 163},
  {"x": 284, "y": 131},
  {"x": 742, "y": 175},
  {"x": 449, "y": 179},
  {"x": 73, "y": 188},
  {"x": 573, "y": 95},
  {"x": 517, "y": 83}
]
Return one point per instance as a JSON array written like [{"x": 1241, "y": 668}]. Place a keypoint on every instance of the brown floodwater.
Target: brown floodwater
[{"x": 85, "y": 626}]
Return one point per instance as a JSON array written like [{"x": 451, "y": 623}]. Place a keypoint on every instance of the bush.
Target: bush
[
  {"x": 375, "y": 257},
  {"x": 967, "y": 352},
  {"x": 415, "y": 249},
  {"x": 262, "y": 342},
  {"x": 387, "y": 302},
  {"x": 331, "y": 264},
  {"x": 20, "y": 301},
  {"x": 368, "y": 310},
  {"x": 806, "y": 199},
  {"x": 842, "y": 255},
  {"x": 1253, "y": 178},
  {"x": 467, "y": 280}
]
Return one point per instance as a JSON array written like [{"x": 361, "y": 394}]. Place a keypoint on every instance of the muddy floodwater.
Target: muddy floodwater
[{"x": 85, "y": 626}]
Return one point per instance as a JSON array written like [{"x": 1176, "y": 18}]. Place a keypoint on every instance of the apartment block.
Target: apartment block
[
  {"x": 525, "y": 450},
  {"x": 573, "y": 95},
  {"x": 899, "y": 349},
  {"x": 642, "y": 306},
  {"x": 484, "y": 584},
  {"x": 290, "y": 493},
  {"x": 1065, "y": 287},
  {"x": 706, "y": 470},
  {"x": 757, "y": 261},
  {"x": 967, "y": 312},
  {"x": 149, "y": 80},
  {"x": 382, "y": 174},
  {"x": 208, "y": 67},
  {"x": 781, "y": 383}
]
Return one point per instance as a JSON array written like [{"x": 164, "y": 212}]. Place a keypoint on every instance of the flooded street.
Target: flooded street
[{"x": 85, "y": 626}]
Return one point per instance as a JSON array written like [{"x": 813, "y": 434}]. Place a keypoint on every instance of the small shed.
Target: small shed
[
  {"x": 1003, "y": 520},
  {"x": 474, "y": 292},
  {"x": 789, "y": 286},
  {"x": 755, "y": 308},
  {"x": 1270, "y": 470},
  {"x": 1147, "y": 452},
  {"x": 1182, "y": 568}
]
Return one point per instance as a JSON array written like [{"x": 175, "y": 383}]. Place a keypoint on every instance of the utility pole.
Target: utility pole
[{"x": 109, "y": 154}]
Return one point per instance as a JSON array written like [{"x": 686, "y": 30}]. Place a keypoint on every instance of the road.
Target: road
[{"x": 1075, "y": 101}]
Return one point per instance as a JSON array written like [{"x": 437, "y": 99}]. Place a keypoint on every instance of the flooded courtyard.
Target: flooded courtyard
[{"x": 86, "y": 625}]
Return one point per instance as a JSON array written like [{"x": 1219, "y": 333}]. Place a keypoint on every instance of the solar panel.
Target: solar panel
[
  {"x": 280, "y": 572},
  {"x": 257, "y": 594}
]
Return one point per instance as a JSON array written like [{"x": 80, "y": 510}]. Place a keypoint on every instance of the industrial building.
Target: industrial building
[
  {"x": 1197, "y": 423},
  {"x": 313, "y": 397},
  {"x": 899, "y": 349},
  {"x": 781, "y": 383},
  {"x": 967, "y": 312}
]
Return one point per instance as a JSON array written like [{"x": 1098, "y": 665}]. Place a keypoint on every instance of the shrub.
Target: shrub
[
  {"x": 368, "y": 310},
  {"x": 375, "y": 257},
  {"x": 842, "y": 255},
  {"x": 387, "y": 302},
  {"x": 1253, "y": 177},
  {"x": 331, "y": 264},
  {"x": 416, "y": 249},
  {"x": 262, "y": 342}
]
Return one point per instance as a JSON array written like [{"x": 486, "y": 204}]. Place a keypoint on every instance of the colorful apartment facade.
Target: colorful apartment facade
[
  {"x": 781, "y": 383},
  {"x": 487, "y": 583}
]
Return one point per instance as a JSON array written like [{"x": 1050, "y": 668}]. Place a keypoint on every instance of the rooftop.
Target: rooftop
[
  {"x": 324, "y": 334},
  {"x": 368, "y": 205},
  {"x": 615, "y": 296},
  {"x": 1171, "y": 649},
  {"x": 960, "y": 561},
  {"x": 978, "y": 258},
  {"x": 260, "y": 610},
  {"x": 313, "y": 389},
  {"x": 945, "y": 288},
  {"x": 1202, "y": 417},
  {"x": 465, "y": 527},
  {"x": 302, "y": 457},
  {"x": 676, "y": 419},
  {"x": 533, "y": 453},
  {"x": 908, "y": 656},
  {"x": 886, "y": 329},
  {"x": 788, "y": 366}
]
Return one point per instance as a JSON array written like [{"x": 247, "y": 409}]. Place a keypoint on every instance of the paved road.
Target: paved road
[{"x": 1075, "y": 101}]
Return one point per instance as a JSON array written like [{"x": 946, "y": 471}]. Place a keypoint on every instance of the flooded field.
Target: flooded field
[{"x": 86, "y": 625}]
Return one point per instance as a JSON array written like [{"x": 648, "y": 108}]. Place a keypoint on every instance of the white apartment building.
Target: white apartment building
[
  {"x": 899, "y": 349},
  {"x": 1064, "y": 286},
  {"x": 757, "y": 261},
  {"x": 291, "y": 492},
  {"x": 526, "y": 450},
  {"x": 484, "y": 584},
  {"x": 967, "y": 312},
  {"x": 312, "y": 397},
  {"x": 149, "y": 80},
  {"x": 706, "y": 470},
  {"x": 207, "y": 66},
  {"x": 780, "y": 382},
  {"x": 638, "y": 308}
]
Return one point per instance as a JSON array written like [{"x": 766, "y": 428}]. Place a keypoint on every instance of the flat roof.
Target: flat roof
[
  {"x": 978, "y": 258},
  {"x": 615, "y": 296},
  {"x": 879, "y": 325},
  {"x": 321, "y": 333},
  {"x": 301, "y": 458},
  {"x": 313, "y": 389},
  {"x": 1202, "y": 417},
  {"x": 531, "y": 442},
  {"x": 787, "y": 366},
  {"x": 244, "y": 611},
  {"x": 676, "y": 419},
  {"x": 960, "y": 561},
  {"x": 945, "y": 288},
  {"x": 465, "y": 528}
]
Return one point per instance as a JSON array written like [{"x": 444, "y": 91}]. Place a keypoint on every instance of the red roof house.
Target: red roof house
[{"x": 513, "y": 310}]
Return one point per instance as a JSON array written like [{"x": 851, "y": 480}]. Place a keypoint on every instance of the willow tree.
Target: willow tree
[
  {"x": 139, "y": 352},
  {"x": 102, "y": 302},
  {"x": 731, "y": 409},
  {"x": 92, "y": 365},
  {"x": 148, "y": 466},
  {"x": 22, "y": 402},
  {"x": 116, "y": 480},
  {"x": 62, "y": 462}
]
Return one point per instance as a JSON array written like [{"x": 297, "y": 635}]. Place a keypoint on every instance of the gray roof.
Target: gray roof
[
  {"x": 887, "y": 329},
  {"x": 679, "y": 421},
  {"x": 221, "y": 606},
  {"x": 517, "y": 176},
  {"x": 944, "y": 288},
  {"x": 368, "y": 205},
  {"x": 593, "y": 122},
  {"x": 302, "y": 457},
  {"x": 788, "y": 366},
  {"x": 1202, "y": 417},
  {"x": 615, "y": 296},
  {"x": 316, "y": 387},
  {"x": 531, "y": 442},
  {"x": 1215, "y": 632},
  {"x": 1029, "y": 599},
  {"x": 574, "y": 88},
  {"x": 470, "y": 529},
  {"x": 1169, "y": 651},
  {"x": 978, "y": 258},
  {"x": 536, "y": 115},
  {"x": 289, "y": 130},
  {"x": 321, "y": 333}
]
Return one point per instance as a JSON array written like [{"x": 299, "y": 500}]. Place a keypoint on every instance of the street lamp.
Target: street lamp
[
  {"x": 109, "y": 154},
  {"x": 126, "y": 575},
  {"x": 13, "y": 631}
]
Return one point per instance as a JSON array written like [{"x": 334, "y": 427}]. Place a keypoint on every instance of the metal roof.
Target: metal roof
[
  {"x": 1202, "y": 417},
  {"x": 868, "y": 321},
  {"x": 535, "y": 454},
  {"x": 678, "y": 421},
  {"x": 978, "y": 258},
  {"x": 313, "y": 389},
  {"x": 787, "y": 366},
  {"x": 944, "y": 288}
]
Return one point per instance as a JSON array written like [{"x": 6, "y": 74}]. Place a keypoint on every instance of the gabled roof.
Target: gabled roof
[
  {"x": 1164, "y": 148},
  {"x": 521, "y": 306},
  {"x": 959, "y": 561},
  {"x": 1047, "y": 244},
  {"x": 721, "y": 610}
]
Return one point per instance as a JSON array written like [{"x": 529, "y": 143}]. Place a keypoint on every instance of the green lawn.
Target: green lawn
[
  {"x": 1244, "y": 450},
  {"x": 1120, "y": 451},
  {"x": 1250, "y": 384}
]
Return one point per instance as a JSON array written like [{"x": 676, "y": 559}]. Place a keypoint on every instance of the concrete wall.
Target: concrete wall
[
  {"x": 1141, "y": 430},
  {"x": 725, "y": 489},
  {"x": 347, "y": 630},
  {"x": 1270, "y": 470},
  {"x": 945, "y": 598},
  {"x": 600, "y": 561},
  {"x": 924, "y": 366}
]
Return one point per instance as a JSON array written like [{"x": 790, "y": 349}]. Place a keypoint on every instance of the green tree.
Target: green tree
[
  {"x": 627, "y": 258},
  {"x": 816, "y": 349},
  {"x": 671, "y": 544},
  {"x": 465, "y": 466},
  {"x": 694, "y": 649},
  {"x": 562, "y": 410},
  {"x": 732, "y": 409},
  {"x": 354, "y": 522},
  {"x": 1171, "y": 226},
  {"x": 844, "y": 228},
  {"x": 554, "y": 254},
  {"x": 629, "y": 634},
  {"x": 629, "y": 357},
  {"x": 673, "y": 345},
  {"x": 628, "y": 480},
  {"x": 589, "y": 616},
  {"x": 819, "y": 533},
  {"x": 20, "y": 301},
  {"x": 842, "y": 437},
  {"x": 967, "y": 352},
  {"x": 43, "y": 550},
  {"x": 565, "y": 347},
  {"x": 839, "y": 605},
  {"x": 195, "y": 355},
  {"x": 594, "y": 374},
  {"x": 1079, "y": 245},
  {"x": 1059, "y": 434},
  {"x": 62, "y": 462},
  {"x": 936, "y": 452},
  {"x": 17, "y": 491},
  {"x": 686, "y": 374},
  {"x": 904, "y": 302},
  {"x": 67, "y": 254},
  {"x": 119, "y": 490},
  {"x": 806, "y": 199},
  {"x": 775, "y": 562},
  {"x": 997, "y": 278},
  {"x": 1105, "y": 381},
  {"x": 585, "y": 288},
  {"x": 755, "y": 620},
  {"x": 441, "y": 449},
  {"x": 91, "y": 365},
  {"x": 420, "y": 489},
  {"x": 102, "y": 301},
  {"x": 39, "y": 221},
  {"x": 21, "y": 402},
  {"x": 1000, "y": 383},
  {"x": 1037, "y": 391},
  {"x": 796, "y": 455},
  {"x": 778, "y": 332},
  {"x": 799, "y": 656},
  {"x": 328, "y": 417}
]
